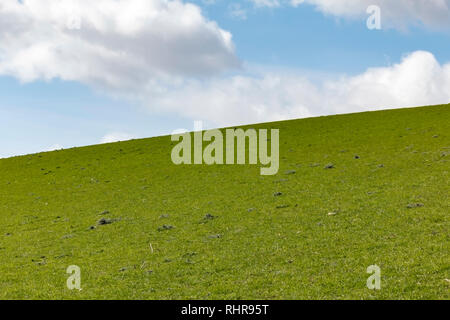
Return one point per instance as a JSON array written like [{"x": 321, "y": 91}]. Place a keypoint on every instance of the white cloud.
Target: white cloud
[
  {"x": 237, "y": 11},
  {"x": 266, "y": 3},
  {"x": 395, "y": 13},
  {"x": 417, "y": 80},
  {"x": 111, "y": 44},
  {"x": 155, "y": 51},
  {"x": 53, "y": 147},
  {"x": 116, "y": 136}
]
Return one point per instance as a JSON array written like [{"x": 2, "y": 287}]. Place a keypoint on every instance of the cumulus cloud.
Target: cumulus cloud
[
  {"x": 157, "y": 51},
  {"x": 395, "y": 13},
  {"x": 418, "y": 79},
  {"x": 111, "y": 44}
]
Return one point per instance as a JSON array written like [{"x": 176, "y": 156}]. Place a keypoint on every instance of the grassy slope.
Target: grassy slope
[{"x": 48, "y": 202}]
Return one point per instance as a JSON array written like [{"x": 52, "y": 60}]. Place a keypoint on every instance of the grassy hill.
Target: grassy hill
[{"x": 227, "y": 233}]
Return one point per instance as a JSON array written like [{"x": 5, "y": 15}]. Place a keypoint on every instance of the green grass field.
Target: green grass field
[{"x": 231, "y": 237}]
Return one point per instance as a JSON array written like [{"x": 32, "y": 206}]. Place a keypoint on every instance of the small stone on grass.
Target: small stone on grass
[
  {"x": 165, "y": 228},
  {"x": 209, "y": 216},
  {"x": 277, "y": 194},
  {"x": 104, "y": 221},
  {"x": 415, "y": 205}
]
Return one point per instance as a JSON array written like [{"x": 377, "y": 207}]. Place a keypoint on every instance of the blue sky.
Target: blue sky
[
  {"x": 305, "y": 38},
  {"x": 279, "y": 64}
]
